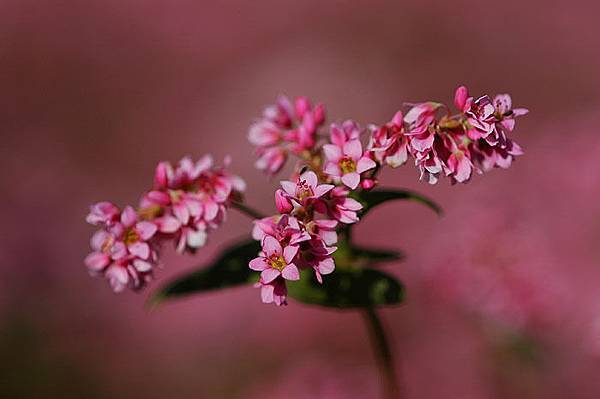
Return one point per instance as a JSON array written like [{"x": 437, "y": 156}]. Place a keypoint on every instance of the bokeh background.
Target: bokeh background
[{"x": 503, "y": 290}]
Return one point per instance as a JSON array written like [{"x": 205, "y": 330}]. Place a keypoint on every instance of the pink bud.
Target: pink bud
[
  {"x": 161, "y": 176},
  {"x": 368, "y": 184},
  {"x": 397, "y": 119},
  {"x": 460, "y": 97},
  {"x": 302, "y": 106},
  {"x": 319, "y": 114},
  {"x": 282, "y": 202}
]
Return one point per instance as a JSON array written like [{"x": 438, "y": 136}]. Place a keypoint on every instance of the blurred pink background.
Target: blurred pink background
[{"x": 503, "y": 298}]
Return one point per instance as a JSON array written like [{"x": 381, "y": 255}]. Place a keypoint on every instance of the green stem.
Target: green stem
[
  {"x": 246, "y": 210},
  {"x": 381, "y": 346}
]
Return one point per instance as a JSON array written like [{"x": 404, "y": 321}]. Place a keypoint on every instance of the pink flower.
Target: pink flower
[
  {"x": 347, "y": 162},
  {"x": 419, "y": 120},
  {"x": 285, "y": 229},
  {"x": 123, "y": 253},
  {"x": 324, "y": 229},
  {"x": 189, "y": 199},
  {"x": 504, "y": 112},
  {"x": 285, "y": 127},
  {"x": 389, "y": 144},
  {"x": 315, "y": 254},
  {"x": 283, "y": 202},
  {"x": 275, "y": 261},
  {"x": 273, "y": 292},
  {"x": 306, "y": 188},
  {"x": 347, "y": 131},
  {"x": 271, "y": 159},
  {"x": 103, "y": 213},
  {"x": 339, "y": 206}
]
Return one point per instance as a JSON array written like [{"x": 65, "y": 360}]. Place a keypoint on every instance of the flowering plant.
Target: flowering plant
[{"x": 305, "y": 250}]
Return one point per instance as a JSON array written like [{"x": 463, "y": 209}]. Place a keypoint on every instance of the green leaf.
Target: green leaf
[
  {"x": 347, "y": 289},
  {"x": 370, "y": 199},
  {"x": 228, "y": 270},
  {"x": 375, "y": 255}
]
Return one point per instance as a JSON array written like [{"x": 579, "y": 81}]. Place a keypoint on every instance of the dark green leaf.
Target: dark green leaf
[
  {"x": 228, "y": 270},
  {"x": 375, "y": 255},
  {"x": 371, "y": 199},
  {"x": 348, "y": 288}
]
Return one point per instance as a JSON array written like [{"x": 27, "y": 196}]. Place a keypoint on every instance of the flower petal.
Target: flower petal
[
  {"x": 271, "y": 246},
  {"x": 332, "y": 152},
  {"x": 146, "y": 230},
  {"x": 96, "y": 261},
  {"x": 351, "y": 180},
  {"x": 290, "y": 272},
  {"x": 364, "y": 164},
  {"x": 128, "y": 217},
  {"x": 269, "y": 275},
  {"x": 289, "y": 253},
  {"x": 353, "y": 149},
  {"x": 142, "y": 266},
  {"x": 259, "y": 264}
]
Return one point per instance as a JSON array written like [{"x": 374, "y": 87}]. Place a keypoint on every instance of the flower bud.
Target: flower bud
[
  {"x": 368, "y": 184},
  {"x": 282, "y": 202}
]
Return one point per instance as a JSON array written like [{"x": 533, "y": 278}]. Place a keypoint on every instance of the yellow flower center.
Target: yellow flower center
[
  {"x": 277, "y": 262},
  {"x": 107, "y": 244},
  {"x": 130, "y": 236},
  {"x": 304, "y": 190},
  {"x": 347, "y": 165}
]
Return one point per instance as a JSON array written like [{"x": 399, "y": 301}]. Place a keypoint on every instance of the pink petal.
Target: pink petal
[
  {"x": 181, "y": 212},
  {"x": 118, "y": 250},
  {"x": 96, "y": 261},
  {"x": 146, "y": 230},
  {"x": 460, "y": 98},
  {"x": 352, "y": 204},
  {"x": 271, "y": 246},
  {"x": 326, "y": 224},
  {"x": 329, "y": 237},
  {"x": 289, "y": 253},
  {"x": 259, "y": 264},
  {"x": 332, "y": 152},
  {"x": 159, "y": 197},
  {"x": 311, "y": 178},
  {"x": 266, "y": 293},
  {"x": 142, "y": 266},
  {"x": 326, "y": 266},
  {"x": 211, "y": 209},
  {"x": 289, "y": 187},
  {"x": 98, "y": 239},
  {"x": 194, "y": 207},
  {"x": 139, "y": 249},
  {"x": 364, "y": 164},
  {"x": 168, "y": 224},
  {"x": 290, "y": 272},
  {"x": 269, "y": 275},
  {"x": 128, "y": 217},
  {"x": 323, "y": 189},
  {"x": 353, "y": 149},
  {"x": 332, "y": 169},
  {"x": 117, "y": 277},
  {"x": 351, "y": 180}
]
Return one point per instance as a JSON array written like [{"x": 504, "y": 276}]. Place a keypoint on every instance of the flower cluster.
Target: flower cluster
[
  {"x": 317, "y": 203},
  {"x": 186, "y": 202},
  {"x": 283, "y": 128}
]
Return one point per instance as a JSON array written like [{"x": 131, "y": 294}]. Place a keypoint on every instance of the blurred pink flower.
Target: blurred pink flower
[{"x": 123, "y": 252}]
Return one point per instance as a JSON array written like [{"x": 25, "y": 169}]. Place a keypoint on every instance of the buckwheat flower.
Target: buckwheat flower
[
  {"x": 103, "y": 213},
  {"x": 389, "y": 144},
  {"x": 306, "y": 189},
  {"x": 347, "y": 131},
  {"x": 284, "y": 228},
  {"x": 123, "y": 252},
  {"x": 324, "y": 229},
  {"x": 339, "y": 206},
  {"x": 275, "y": 261},
  {"x": 273, "y": 292},
  {"x": 347, "y": 162},
  {"x": 285, "y": 127},
  {"x": 504, "y": 112},
  {"x": 480, "y": 116},
  {"x": 495, "y": 156},
  {"x": 271, "y": 159},
  {"x": 315, "y": 254},
  {"x": 419, "y": 120},
  {"x": 430, "y": 166}
]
